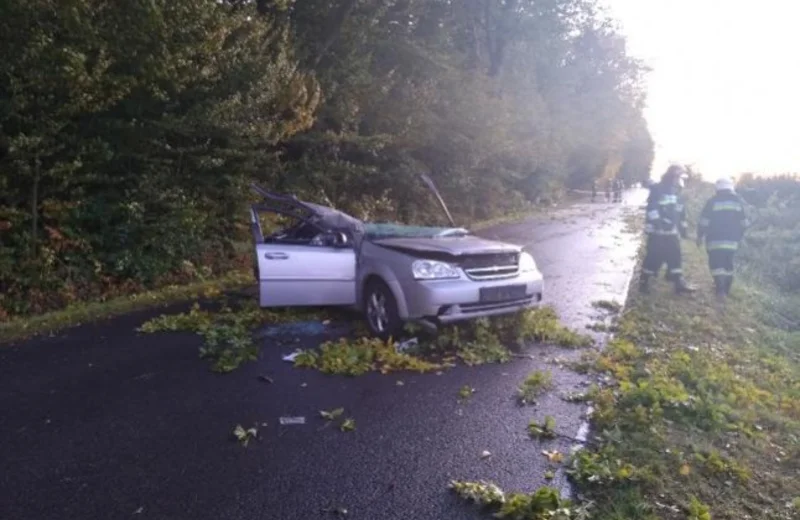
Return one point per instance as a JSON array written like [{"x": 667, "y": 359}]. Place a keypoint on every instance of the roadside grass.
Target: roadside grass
[
  {"x": 25, "y": 327},
  {"x": 698, "y": 410}
]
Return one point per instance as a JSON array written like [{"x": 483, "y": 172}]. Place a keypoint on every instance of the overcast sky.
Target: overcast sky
[{"x": 724, "y": 92}]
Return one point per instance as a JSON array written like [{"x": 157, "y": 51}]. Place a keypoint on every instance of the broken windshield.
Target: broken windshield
[{"x": 390, "y": 230}]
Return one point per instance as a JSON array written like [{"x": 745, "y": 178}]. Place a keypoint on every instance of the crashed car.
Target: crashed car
[{"x": 392, "y": 273}]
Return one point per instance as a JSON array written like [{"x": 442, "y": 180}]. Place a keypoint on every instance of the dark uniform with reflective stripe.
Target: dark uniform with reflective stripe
[
  {"x": 666, "y": 223},
  {"x": 722, "y": 225}
]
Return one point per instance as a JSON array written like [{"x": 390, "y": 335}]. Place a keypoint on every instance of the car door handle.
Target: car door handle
[{"x": 276, "y": 256}]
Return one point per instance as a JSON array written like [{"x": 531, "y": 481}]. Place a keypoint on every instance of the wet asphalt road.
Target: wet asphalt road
[{"x": 102, "y": 423}]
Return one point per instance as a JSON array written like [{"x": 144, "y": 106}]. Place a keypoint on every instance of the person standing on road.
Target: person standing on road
[
  {"x": 663, "y": 228},
  {"x": 722, "y": 225},
  {"x": 594, "y": 189}
]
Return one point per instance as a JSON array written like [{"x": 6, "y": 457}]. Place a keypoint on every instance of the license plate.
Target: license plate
[{"x": 503, "y": 293}]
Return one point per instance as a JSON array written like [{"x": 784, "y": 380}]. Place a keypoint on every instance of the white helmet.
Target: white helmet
[{"x": 725, "y": 184}]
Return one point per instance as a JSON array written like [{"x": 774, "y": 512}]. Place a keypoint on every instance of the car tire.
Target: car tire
[{"x": 380, "y": 311}]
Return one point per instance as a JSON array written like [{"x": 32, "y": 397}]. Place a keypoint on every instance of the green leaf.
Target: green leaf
[
  {"x": 348, "y": 425},
  {"x": 331, "y": 415}
]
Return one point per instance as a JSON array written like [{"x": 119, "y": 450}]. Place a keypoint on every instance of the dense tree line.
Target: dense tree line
[
  {"x": 772, "y": 245},
  {"x": 130, "y": 130}
]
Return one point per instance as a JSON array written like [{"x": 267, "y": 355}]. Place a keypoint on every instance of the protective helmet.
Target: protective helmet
[
  {"x": 673, "y": 172},
  {"x": 725, "y": 184}
]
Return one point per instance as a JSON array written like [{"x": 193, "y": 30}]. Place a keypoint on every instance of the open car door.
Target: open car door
[{"x": 308, "y": 263}]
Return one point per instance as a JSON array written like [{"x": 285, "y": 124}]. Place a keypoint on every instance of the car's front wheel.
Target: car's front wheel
[{"x": 380, "y": 310}]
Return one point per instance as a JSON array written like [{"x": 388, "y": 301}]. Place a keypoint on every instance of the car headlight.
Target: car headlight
[
  {"x": 527, "y": 263},
  {"x": 433, "y": 270}
]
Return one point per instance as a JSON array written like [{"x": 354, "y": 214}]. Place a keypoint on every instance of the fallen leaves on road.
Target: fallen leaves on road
[
  {"x": 331, "y": 415},
  {"x": 244, "y": 436},
  {"x": 348, "y": 425},
  {"x": 554, "y": 456}
]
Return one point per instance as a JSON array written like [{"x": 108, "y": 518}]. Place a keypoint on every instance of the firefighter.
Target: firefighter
[
  {"x": 663, "y": 228},
  {"x": 683, "y": 224},
  {"x": 618, "y": 190},
  {"x": 722, "y": 224}
]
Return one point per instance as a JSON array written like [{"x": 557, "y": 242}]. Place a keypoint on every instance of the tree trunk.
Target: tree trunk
[{"x": 35, "y": 207}]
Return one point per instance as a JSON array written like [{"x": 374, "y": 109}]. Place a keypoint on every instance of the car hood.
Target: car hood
[{"x": 455, "y": 246}]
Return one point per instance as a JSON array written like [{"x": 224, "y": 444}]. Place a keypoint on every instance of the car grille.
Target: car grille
[{"x": 491, "y": 266}]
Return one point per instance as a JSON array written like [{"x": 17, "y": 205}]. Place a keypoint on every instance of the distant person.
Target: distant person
[
  {"x": 722, "y": 225},
  {"x": 663, "y": 230},
  {"x": 609, "y": 187},
  {"x": 594, "y": 190},
  {"x": 618, "y": 190}
]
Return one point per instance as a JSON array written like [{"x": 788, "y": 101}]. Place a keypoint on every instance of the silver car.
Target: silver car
[{"x": 392, "y": 273}]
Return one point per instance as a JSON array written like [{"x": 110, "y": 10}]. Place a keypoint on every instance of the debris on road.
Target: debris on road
[
  {"x": 465, "y": 392},
  {"x": 287, "y": 421},
  {"x": 337, "y": 511},
  {"x": 291, "y": 357},
  {"x": 485, "y": 454},
  {"x": 553, "y": 456},
  {"x": 331, "y": 415},
  {"x": 546, "y": 430},
  {"x": 265, "y": 379},
  {"x": 348, "y": 425},
  {"x": 405, "y": 345},
  {"x": 244, "y": 436}
]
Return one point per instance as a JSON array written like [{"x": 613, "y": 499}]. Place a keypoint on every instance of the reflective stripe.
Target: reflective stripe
[
  {"x": 676, "y": 271},
  {"x": 653, "y": 215},
  {"x": 668, "y": 199},
  {"x": 648, "y": 271},
  {"x": 726, "y": 205},
  {"x": 721, "y": 272},
  {"x": 722, "y": 245}
]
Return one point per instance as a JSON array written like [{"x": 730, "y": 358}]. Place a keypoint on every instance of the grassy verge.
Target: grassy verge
[
  {"x": 21, "y": 328},
  {"x": 700, "y": 417}
]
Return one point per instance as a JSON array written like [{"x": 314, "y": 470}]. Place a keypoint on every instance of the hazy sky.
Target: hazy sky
[{"x": 724, "y": 92}]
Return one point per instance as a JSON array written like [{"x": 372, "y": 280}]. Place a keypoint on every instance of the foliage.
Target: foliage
[
  {"x": 534, "y": 385},
  {"x": 245, "y": 436},
  {"x": 353, "y": 357},
  {"x": 698, "y": 406},
  {"x": 348, "y": 425},
  {"x": 129, "y": 131},
  {"x": 543, "y": 504},
  {"x": 475, "y": 342},
  {"x": 546, "y": 430},
  {"x": 227, "y": 333},
  {"x": 78, "y": 313},
  {"x": 127, "y": 134}
]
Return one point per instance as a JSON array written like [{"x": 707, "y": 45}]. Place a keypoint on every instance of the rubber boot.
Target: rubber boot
[
  {"x": 681, "y": 287},
  {"x": 728, "y": 284},
  {"x": 720, "y": 285},
  {"x": 644, "y": 283}
]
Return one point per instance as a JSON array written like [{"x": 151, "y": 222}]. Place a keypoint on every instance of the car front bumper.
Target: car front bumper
[{"x": 448, "y": 301}]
